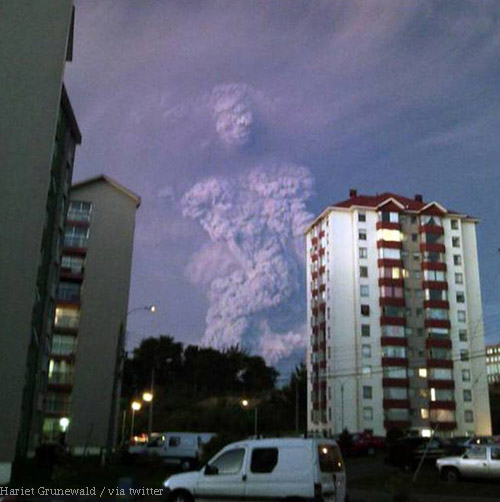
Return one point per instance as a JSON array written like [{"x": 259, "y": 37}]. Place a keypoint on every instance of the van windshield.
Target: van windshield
[{"x": 330, "y": 459}]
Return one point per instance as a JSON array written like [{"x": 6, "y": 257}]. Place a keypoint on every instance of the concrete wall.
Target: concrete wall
[
  {"x": 104, "y": 303},
  {"x": 33, "y": 45}
]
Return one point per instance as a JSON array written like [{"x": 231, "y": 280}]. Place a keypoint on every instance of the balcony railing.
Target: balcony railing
[
  {"x": 65, "y": 378},
  {"x": 73, "y": 241}
]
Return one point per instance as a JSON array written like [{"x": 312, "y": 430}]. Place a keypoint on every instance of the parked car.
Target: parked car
[
  {"x": 408, "y": 451},
  {"x": 275, "y": 469},
  {"x": 476, "y": 462}
]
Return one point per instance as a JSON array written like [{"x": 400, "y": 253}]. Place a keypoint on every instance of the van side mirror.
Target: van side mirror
[{"x": 211, "y": 470}]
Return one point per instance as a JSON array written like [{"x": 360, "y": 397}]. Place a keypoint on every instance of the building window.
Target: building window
[
  {"x": 462, "y": 335},
  {"x": 367, "y": 392},
  {"x": 329, "y": 352},
  {"x": 461, "y": 315},
  {"x": 414, "y": 237},
  {"x": 455, "y": 242},
  {"x": 76, "y": 236},
  {"x": 67, "y": 317},
  {"x": 361, "y": 216},
  {"x": 469, "y": 416},
  {"x": 364, "y": 290},
  {"x": 467, "y": 395},
  {"x": 414, "y": 219},
  {"x": 365, "y": 330},
  {"x": 368, "y": 413},
  {"x": 393, "y": 351},
  {"x": 79, "y": 210},
  {"x": 363, "y": 252},
  {"x": 68, "y": 291},
  {"x": 362, "y": 235},
  {"x": 454, "y": 224},
  {"x": 464, "y": 355},
  {"x": 465, "y": 375},
  {"x": 424, "y": 413},
  {"x": 416, "y": 256},
  {"x": 459, "y": 278},
  {"x": 367, "y": 370},
  {"x": 366, "y": 350},
  {"x": 365, "y": 310},
  {"x": 63, "y": 345},
  {"x": 417, "y": 274},
  {"x": 363, "y": 271},
  {"x": 457, "y": 260},
  {"x": 460, "y": 297}
]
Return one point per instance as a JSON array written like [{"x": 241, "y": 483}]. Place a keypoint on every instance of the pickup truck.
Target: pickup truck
[{"x": 477, "y": 462}]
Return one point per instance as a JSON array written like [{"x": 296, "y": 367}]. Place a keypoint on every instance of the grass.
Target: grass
[{"x": 394, "y": 481}]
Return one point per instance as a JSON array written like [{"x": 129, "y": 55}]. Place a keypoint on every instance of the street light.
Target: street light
[
  {"x": 245, "y": 403},
  {"x": 148, "y": 398},
  {"x": 136, "y": 406},
  {"x": 120, "y": 356}
]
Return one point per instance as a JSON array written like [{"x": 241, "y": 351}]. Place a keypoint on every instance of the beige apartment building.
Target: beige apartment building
[
  {"x": 395, "y": 321},
  {"x": 38, "y": 135},
  {"x": 90, "y": 315}
]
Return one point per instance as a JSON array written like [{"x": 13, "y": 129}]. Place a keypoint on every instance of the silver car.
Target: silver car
[{"x": 476, "y": 462}]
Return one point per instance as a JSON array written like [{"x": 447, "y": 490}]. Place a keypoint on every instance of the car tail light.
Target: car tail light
[{"x": 318, "y": 492}]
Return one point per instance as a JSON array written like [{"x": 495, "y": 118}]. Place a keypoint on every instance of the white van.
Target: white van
[
  {"x": 274, "y": 469},
  {"x": 181, "y": 448}
]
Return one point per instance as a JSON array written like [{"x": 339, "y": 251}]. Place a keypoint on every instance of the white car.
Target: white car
[
  {"x": 476, "y": 462},
  {"x": 273, "y": 469}
]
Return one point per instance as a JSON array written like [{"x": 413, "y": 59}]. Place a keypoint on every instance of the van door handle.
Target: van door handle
[{"x": 244, "y": 477}]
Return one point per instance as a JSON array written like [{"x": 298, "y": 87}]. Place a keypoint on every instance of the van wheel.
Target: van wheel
[
  {"x": 180, "y": 496},
  {"x": 451, "y": 474}
]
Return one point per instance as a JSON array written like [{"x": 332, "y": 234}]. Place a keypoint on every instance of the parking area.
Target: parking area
[{"x": 369, "y": 479}]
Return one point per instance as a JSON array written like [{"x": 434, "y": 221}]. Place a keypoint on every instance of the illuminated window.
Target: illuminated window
[
  {"x": 424, "y": 413},
  {"x": 422, "y": 372},
  {"x": 386, "y": 234},
  {"x": 67, "y": 317}
]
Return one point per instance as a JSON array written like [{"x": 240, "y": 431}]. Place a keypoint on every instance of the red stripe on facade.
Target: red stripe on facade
[
  {"x": 74, "y": 251},
  {"x": 443, "y": 405},
  {"x": 433, "y": 342},
  {"x": 385, "y": 281},
  {"x": 437, "y": 323},
  {"x": 432, "y": 265},
  {"x": 431, "y": 229},
  {"x": 436, "y": 248},
  {"x": 389, "y": 244},
  {"x": 396, "y": 424},
  {"x": 396, "y": 403},
  {"x": 394, "y": 302},
  {"x": 436, "y": 304},
  {"x": 434, "y": 285},
  {"x": 392, "y": 321},
  {"x": 394, "y": 361},
  {"x": 387, "y": 262},
  {"x": 393, "y": 340},
  {"x": 387, "y": 224},
  {"x": 439, "y": 363},
  {"x": 395, "y": 382},
  {"x": 441, "y": 384}
]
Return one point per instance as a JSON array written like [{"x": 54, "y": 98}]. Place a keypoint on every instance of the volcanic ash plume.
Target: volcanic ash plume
[
  {"x": 232, "y": 106},
  {"x": 258, "y": 219}
]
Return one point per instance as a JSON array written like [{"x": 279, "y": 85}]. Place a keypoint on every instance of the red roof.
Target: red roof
[{"x": 375, "y": 201}]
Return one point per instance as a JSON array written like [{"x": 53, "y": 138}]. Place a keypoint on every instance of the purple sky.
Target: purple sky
[{"x": 236, "y": 120}]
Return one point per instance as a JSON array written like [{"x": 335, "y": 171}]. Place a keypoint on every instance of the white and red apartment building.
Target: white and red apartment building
[{"x": 395, "y": 319}]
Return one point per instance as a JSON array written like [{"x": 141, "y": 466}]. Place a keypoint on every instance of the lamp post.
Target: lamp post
[
  {"x": 117, "y": 374},
  {"x": 136, "y": 406},
  {"x": 246, "y": 404},
  {"x": 148, "y": 397}
]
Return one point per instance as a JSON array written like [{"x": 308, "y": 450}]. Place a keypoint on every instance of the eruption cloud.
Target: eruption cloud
[{"x": 256, "y": 221}]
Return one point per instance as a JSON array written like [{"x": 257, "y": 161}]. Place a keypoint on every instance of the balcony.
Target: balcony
[
  {"x": 393, "y": 340},
  {"x": 441, "y": 384},
  {"x": 394, "y": 361},
  {"x": 435, "y": 247},
  {"x": 396, "y": 403},
  {"x": 61, "y": 378},
  {"x": 395, "y": 382},
  {"x": 439, "y": 363},
  {"x": 393, "y": 321},
  {"x": 74, "y": 241}
]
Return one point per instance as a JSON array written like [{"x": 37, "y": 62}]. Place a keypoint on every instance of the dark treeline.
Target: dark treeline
[{"x": 201, "y": 389}]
